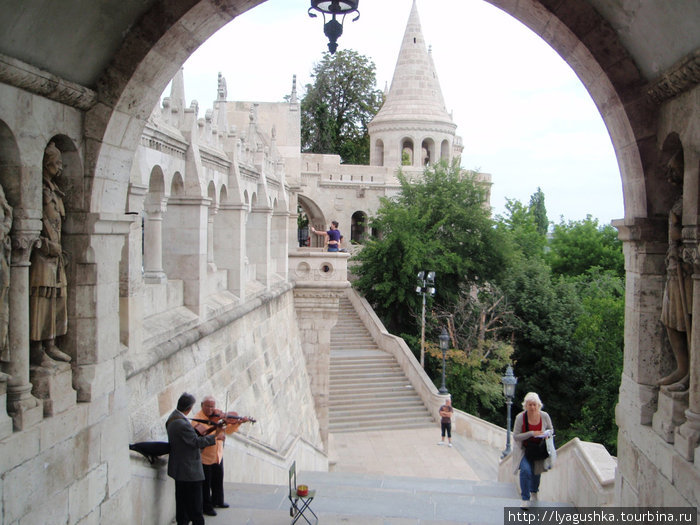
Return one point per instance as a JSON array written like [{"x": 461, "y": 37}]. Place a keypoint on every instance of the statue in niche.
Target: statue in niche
[
  {"x": 5, "y": 253},
  {"x": 47, "y": 274},
  {"x": 676, "y": 309}
]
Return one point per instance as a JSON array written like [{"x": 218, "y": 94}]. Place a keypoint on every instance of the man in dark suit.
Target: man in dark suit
[{"x": 185, "y": 462}]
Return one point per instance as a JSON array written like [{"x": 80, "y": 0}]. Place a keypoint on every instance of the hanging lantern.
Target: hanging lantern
[{"x": 332, "y": 28}]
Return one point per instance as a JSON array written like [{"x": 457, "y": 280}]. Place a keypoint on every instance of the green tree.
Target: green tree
[
  {"x": 438, "y": 222},
  {"x": 539, "y": 211},
  {"x": 600, "y": 332},
  {"x": 577, "y": 246},
  {"x": 519, "y": 226},
  {"x": 548, "y": 357},
  {"x": 338, "y": 105}
]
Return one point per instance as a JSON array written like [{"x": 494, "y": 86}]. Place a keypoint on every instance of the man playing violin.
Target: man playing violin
[
  {"x": 185, "y": 464},
  {"x": 213, "y": 456}
]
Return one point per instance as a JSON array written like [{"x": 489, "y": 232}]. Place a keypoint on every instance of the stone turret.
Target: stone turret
[{"x": 413, "y": 121}]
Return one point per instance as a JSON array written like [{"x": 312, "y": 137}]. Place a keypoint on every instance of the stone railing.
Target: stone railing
[
  {"x": 314, "y": 268},
  {"x": 464, "y": 424},
  {"x": 583, "y": 475}
]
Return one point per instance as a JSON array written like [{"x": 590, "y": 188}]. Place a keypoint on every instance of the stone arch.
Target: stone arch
[
  {"x": 10, "y": 167},
  {"x": 445, "y": 150},
  {"x": 177, "y": 185},
  {"x": 587, "y": 44},
  {"x": 156, "y": 181},
  {"x": 358, "y": 227},
  {"x": 316, "y": 217},
  {"x": 428, "y": 154},
  {"x": 378, "y": 157},
  {"x": 407, "y": 153}
]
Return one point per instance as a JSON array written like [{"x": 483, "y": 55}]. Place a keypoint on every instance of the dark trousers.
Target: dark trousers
[
  {"x": 213, "y": 486},
  {"x": 446, "y": 428},
  {"x": 188, "y": 502}
]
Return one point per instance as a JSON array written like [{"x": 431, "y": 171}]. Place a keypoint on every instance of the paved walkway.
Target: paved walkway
[
  {"x": 414, "y": 453},
  {"x": 403, "y": 473}
]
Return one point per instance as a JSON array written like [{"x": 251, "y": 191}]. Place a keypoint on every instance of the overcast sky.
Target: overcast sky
[{"x": 523, "y": 114}]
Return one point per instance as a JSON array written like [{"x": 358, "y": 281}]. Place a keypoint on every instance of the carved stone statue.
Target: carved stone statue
[
  {"x": 677, "y": 304},
  {"x": 5, "y": 251},
  {"x": 221, "y": 91},
  {"x": 47, "y": 275}
]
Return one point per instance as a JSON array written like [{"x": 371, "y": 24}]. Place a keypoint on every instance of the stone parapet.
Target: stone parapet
[
  {"x": 583, "y": 475},
  {"x": 313, "y": 268}
]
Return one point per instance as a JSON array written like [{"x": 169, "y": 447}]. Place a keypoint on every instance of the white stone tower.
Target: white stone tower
[{"x": 413, "y": 121}]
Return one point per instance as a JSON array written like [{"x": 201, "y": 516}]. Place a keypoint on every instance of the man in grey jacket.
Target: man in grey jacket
[{"x": 185, "y": 463}]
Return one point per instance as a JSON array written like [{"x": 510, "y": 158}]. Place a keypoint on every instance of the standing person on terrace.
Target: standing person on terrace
[
  {"x": 446, "y": 422},
  {"x": 530, "y": 425},
  {"x": 333, "y": 236}
]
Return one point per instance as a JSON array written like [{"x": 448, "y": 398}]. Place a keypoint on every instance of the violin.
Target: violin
[{"x": 219, "y": 418}]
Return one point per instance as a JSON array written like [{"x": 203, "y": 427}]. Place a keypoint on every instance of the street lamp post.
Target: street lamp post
[
  {"x": 444, "y": 344},
  {"x": 426, "y": 285},
  {"x": 509, "y": 381}
]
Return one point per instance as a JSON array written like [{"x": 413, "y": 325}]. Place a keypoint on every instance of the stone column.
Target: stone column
[
  {"x": 317, "y": 314},
  {"x": 230, "y": 246},
  {"x": 23, "y": 407},
  {"x": 211, "y": 264},
  {"x": 186, "y": 248},
  {"x": 644, "y": 245},
  {"x": 258, "y": 245},
  {"x": 153, "y": 240},
  {"x": 278, "y": 239},
  {"x": 687, "y": 435}
]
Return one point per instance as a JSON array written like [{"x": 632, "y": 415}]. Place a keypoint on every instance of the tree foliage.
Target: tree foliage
[
  {"x": 568, "y": 304},
  {"x": 338, "y": 105},
  {"x": 539, "y": 211},
  {"x": 577, "y": 246},
  {"x": 438, "y": 222}
]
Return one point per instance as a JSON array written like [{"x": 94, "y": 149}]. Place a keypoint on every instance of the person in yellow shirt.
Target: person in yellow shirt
[{"x": 213, "y": 456}]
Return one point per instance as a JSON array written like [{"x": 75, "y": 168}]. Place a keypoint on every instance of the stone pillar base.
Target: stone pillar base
[
  {"x": 23, "y": 407},
  {"x": 687, "y": 437},
  {"x": 54, "y": 387},
  {"x": 5, "y": 420},
  {"x": 151, "y": 277},
  {"x": 670, "y": 413}
]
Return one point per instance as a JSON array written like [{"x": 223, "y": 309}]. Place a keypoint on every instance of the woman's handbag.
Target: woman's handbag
[{"x": 535, "y": 449}]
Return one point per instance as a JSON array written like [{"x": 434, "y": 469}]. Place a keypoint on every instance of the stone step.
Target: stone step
[
  {"x": 380, "y": 416},
  {"x": 374, "y": 390},
  {"x": 368, "y": 426},
  {"x": 389, "y": 404},
  {"x": 361, "y": 499},
  {"x": 361, "y": 396},
  {"x": 359, "y": 374}
]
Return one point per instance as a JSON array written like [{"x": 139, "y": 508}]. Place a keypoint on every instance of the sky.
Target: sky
[{"x": 522, "y": 112}]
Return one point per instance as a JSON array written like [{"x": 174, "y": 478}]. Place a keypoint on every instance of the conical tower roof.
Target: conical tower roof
[{"x": 415, "y": 93}]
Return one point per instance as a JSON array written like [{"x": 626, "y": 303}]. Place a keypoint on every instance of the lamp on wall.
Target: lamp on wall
[{"x": 334, "y": 8}]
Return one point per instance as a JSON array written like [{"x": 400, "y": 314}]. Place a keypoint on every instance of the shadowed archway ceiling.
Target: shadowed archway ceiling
[{"x": 77, "y": 39}]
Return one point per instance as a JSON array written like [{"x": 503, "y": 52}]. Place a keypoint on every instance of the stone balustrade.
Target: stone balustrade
[
  {"x": 314, "y": 268},
  {"x": 583, "y": 475}
]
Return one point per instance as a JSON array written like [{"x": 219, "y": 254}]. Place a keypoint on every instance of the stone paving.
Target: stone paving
[{"x": 400, "y": 477}]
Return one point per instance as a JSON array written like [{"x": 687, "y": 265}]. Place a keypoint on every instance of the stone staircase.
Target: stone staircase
[
  {"x": 368, "y": 389},
  {"x": 360, "y": 499}
]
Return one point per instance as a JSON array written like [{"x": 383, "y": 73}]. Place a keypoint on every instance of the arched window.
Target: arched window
[
  {"x": 358, "y": 227},
  {"x": 407, "y": 152},
  {"x": 378, "y": 159}
]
